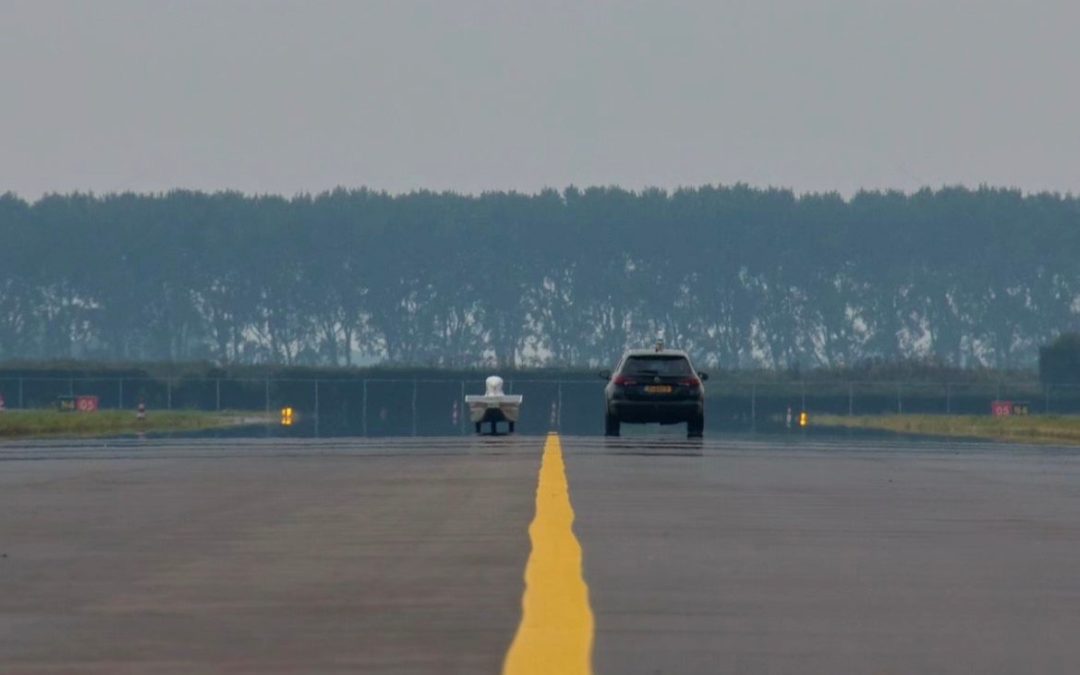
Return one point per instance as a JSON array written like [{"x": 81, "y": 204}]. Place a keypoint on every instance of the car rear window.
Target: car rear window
[{"x": 656, "y": 365}]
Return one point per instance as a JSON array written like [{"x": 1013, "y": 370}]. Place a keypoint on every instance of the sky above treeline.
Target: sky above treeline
[{"x": 288, "y": 97}]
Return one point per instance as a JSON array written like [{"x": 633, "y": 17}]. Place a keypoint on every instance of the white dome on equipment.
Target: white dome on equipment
[{"x": 494, "y": 386}]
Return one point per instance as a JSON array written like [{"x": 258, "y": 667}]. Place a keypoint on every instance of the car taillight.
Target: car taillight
[
  {"x": 622, "y": 381},
  {"x": 691, "y": 382}
]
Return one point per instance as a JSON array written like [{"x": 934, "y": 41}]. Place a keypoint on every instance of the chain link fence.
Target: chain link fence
[{"x": 402, "y": 407}]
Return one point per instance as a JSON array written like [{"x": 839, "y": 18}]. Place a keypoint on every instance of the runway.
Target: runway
[{"x": 752, "y": 554}]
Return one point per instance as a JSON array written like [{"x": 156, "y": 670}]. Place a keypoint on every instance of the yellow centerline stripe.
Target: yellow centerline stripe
[{"x": 555, "y": 636}]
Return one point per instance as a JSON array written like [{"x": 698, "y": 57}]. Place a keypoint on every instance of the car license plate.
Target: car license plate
[{"x": 658, "y": 389}]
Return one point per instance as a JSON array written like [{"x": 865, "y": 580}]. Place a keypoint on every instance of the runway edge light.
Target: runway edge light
[
  {"x": 286, "y": 417},
  {"x": 804, "y": 419}
]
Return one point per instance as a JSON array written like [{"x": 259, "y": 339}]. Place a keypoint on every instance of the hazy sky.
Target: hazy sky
[{"x": 284, "y": 97}]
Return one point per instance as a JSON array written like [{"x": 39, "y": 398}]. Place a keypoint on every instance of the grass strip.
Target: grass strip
[
  {"x": 51, "y": 423},
  {"x": 1030, "y": 429}
]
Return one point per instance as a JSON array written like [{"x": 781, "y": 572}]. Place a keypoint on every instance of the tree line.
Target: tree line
[{"x": 741, "y": 277}]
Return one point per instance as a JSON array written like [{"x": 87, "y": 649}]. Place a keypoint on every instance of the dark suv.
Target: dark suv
[{"x": 655, "y": 385}]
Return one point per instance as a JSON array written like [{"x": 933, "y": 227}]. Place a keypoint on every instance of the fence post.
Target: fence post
[
  {"x": 316, "y": 408},
  {"x": 71, "y": 386},
  {"x": 21, "y": 404},
  {"x": 120, "y": 393},
  {"x": 217, "y": 396},
  {"x": 948, "y": 398},
  {"x": 1046, "y": 393},
  {"x": 363, "y": 410},
  {"x": 267, "y": 395},
  {"x": 753, "y": 405},
  {"x": 464, "y": 410},
  {"x": 558, "y": 412},
  {"x": 899, "y": 399},
  {"x": 802, "y": 386},
  {"x": 168, "y": 393},
  {"x": 414, "y": 406},
  {"x": 850, "y": 399}
]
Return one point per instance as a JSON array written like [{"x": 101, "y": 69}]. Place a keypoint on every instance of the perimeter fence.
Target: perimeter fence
[{"x": 397, "y": 407}]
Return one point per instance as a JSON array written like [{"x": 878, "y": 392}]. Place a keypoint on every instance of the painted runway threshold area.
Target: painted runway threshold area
[
  {"x": 556, "y": 630},
  {"x": 545, "y": 554}
]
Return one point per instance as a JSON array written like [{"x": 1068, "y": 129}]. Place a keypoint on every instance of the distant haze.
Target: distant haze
[{"x": 471, "y": 96}]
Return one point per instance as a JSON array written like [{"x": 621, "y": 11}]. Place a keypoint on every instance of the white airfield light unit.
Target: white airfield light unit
[{"x": 494, "y": 406}]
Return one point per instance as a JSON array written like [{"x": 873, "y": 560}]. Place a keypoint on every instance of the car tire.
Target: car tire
[
  {"x": 611, "y": 425},
  {"x": 695, "y": 427}
]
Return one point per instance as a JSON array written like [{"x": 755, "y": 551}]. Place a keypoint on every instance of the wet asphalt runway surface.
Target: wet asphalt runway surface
[{"x": 731, "y": 555}]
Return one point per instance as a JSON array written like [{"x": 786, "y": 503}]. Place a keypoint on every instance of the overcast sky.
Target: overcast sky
[{"x": 285, "y": 97}]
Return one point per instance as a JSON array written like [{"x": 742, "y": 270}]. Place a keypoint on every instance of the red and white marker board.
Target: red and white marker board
[{"x": 86, "y": 403}]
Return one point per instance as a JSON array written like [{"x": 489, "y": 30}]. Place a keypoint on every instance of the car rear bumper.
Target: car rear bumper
[{"x": 664, "y": 412}]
